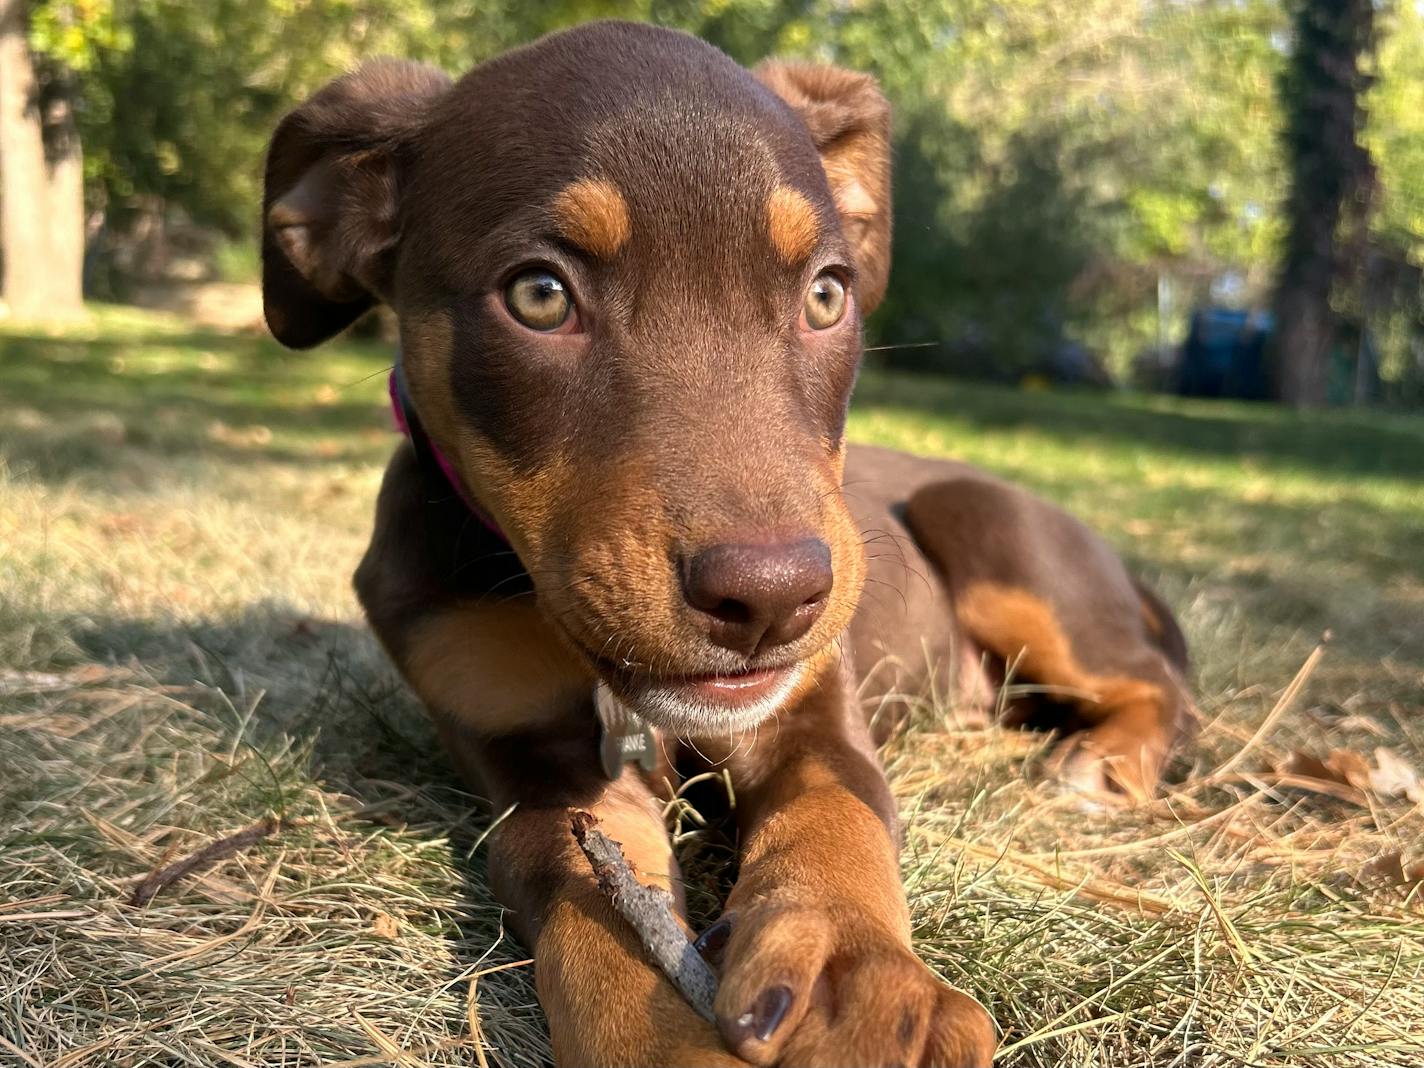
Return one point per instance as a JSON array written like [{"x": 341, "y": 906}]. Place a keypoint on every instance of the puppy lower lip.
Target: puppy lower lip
[
  {"x": 737, "y": 681},
  {"x": 742, "y": 685}
]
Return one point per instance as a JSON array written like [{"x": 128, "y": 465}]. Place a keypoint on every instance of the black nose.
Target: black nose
[{"x": 756, "y": 597}]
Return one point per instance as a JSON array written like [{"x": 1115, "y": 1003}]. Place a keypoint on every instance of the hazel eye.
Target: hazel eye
[
  {"x": 825, "y": 302},
  {"x": 539, "y": 299}
]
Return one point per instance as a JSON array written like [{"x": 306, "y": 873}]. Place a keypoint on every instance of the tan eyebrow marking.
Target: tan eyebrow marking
[
  {"x": 593, "y": 214},
  {"x": 792, "y": 222}
]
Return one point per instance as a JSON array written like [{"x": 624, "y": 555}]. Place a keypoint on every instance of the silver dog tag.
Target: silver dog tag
[{"x": 623, "y": 737}]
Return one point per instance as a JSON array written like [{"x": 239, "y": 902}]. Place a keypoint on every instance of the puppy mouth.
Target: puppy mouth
[
  {"x": 704, "y": 704},
  {"x": 736, "y": 690},
  {"x": 731, "y": 697}
]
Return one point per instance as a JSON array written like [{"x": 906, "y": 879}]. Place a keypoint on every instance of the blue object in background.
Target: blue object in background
[{"x": 1225, "y": 355}]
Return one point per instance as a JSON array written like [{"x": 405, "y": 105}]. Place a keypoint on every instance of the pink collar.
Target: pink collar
[{"x": 409, "y": 424}]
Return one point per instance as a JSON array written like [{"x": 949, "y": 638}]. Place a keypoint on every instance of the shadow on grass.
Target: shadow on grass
[
  {"x": 274, "y": 674},
  {"x": 1348, "y": 443},
  {"x": 167, "y": 390},
  {"x": 316, "y": 679},
  {"x": 69, "y": 401}
]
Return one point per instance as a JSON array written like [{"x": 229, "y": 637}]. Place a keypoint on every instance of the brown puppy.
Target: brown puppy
[{"x": 630, "y": 277}]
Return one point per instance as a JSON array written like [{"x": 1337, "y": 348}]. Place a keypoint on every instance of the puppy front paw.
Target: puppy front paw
[{"x": 801, "y": 989}]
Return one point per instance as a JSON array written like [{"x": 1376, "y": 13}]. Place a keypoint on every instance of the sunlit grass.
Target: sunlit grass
[{"x": 181, "y": 656}]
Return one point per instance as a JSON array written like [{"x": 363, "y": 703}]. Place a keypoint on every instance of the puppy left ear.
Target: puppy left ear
[
  {"x": 331, "y": 201},
  {"x": 849, "y": 120}
]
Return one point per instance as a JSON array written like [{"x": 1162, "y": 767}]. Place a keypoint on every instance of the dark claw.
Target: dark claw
[
  {"x": 769, "y": 1011},
  {"x": 712, "y": 943}
]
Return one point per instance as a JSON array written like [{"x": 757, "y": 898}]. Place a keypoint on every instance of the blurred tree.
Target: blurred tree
[
  {"x": 1331, "y": 186},
  {"x": 1056, "y": 160},
  {"x": 1055, "y": 163},
  {"x": 41, "y": 178},
  {"x": 1393, "y": 304},
  {"x": 1394, "y": 132},
  {"x": 179, "y": 96}
]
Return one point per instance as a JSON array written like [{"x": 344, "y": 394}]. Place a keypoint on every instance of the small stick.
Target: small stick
[
  {"x": 158, "y": 881},
  {"x": 649, "y": 911}
]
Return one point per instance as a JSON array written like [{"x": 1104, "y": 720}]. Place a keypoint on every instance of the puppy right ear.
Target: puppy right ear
[
  {"x": 849, "y": 120},
  {"x": 330, "y": 206}
]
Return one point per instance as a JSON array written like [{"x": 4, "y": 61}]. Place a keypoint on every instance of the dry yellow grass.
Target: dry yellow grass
[{"x": 180, "y": 657}]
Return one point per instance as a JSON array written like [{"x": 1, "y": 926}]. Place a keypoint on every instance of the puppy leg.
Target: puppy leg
[
  {"x": 517, "y": 721},
  {"x": 605, "y": 1003},
  {"x": 1039, "y": 590},
  {"x": 818, "y": 967}
]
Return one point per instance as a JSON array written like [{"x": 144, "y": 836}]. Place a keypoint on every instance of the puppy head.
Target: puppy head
[{"x": 630, "y": 277}]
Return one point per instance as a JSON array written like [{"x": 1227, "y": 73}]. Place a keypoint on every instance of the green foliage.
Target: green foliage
[
  {"x": 238, "y": 260},
  {"x": 1395, "y": 138},
  {"x": 1054, "y": 161},
  {"x": 179, "y": 96},
  {"x": 1395, "y": 134},
  {"x": 1068, "y": 154}
]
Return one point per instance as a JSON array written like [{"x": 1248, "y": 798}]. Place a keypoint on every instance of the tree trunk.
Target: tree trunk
[
  {"x": 1327, "y": 210},
  {"x": 41, "y": 185},
  {"x": 1306, "y": 327}
]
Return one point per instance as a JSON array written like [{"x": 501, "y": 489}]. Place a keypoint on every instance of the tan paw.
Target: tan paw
[
  {"x": 1110, "y": 762},
  {"x": 799, "y": 989}
]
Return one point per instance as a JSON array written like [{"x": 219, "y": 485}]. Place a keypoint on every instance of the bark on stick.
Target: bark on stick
[{"x": 650, "y": 912}]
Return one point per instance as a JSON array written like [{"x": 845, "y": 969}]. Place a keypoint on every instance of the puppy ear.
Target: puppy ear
[
  {"x": 330, "y": 206},
  {"x": 849, "y": 120}
]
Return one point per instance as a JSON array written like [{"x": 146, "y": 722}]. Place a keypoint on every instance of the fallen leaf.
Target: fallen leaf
[
  {"x": 1349, "y": 767},
  {"x": 1391, "y": 869},
  {"x": 1309, "y": 766},
  {"x": 1357, "y": 722},
  {"x": 1394, "y": 777},
  {"x": 1390, "y": 777},
  {"x": 239, "y": 437}
]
